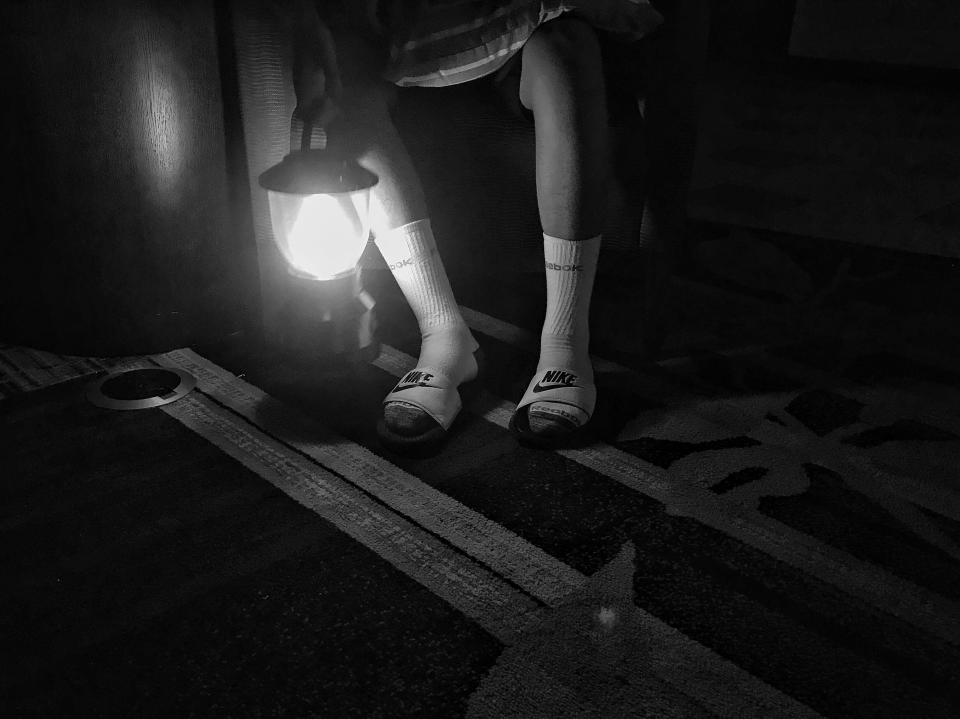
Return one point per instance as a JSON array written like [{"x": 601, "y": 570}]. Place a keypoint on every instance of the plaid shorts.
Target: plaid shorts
[{"x": 448, "y": 42}]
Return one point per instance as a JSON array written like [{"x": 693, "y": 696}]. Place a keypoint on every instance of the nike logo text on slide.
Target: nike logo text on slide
[
  {"x": 554, "y": 379},
  {"x": 415, "y": 378}
]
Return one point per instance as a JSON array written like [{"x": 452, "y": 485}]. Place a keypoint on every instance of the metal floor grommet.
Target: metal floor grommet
[{"x": 140, "y": 388}]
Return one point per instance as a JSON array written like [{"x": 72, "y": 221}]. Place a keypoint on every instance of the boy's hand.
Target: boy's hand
[{"x": 316, "y": 73}]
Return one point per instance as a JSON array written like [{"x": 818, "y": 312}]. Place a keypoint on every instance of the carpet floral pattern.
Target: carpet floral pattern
[{"x": 760, "y": 529}]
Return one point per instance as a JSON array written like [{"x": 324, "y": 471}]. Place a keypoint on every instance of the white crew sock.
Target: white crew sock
[
  {"x": 447, "y": 346},
  {"x": 571, "y": 266}
]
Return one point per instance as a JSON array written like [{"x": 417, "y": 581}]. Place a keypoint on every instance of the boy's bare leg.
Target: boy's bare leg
[
  {"x": 562, "y": 84},
  {"x": 403, "y": 233},
  {"x": 363, "y": 126}
]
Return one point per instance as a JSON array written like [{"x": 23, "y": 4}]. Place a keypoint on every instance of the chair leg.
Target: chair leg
[{"x": 678, "y": 58}]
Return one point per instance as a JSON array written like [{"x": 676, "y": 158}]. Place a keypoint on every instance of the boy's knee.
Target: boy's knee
[
  {"x": 566, "y": 49},
  {"x": 567, "y": 40},
  {"x": 566, "y": 35}
]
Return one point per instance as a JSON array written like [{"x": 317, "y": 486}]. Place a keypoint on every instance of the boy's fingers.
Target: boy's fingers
[
  {"x": 327, "y": 112},
  {"x": 310, "y": 86},
  {"x": 318, "y": 114}
]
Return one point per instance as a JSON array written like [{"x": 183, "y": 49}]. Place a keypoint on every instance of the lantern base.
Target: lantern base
[{"x": 327, "y": 323}]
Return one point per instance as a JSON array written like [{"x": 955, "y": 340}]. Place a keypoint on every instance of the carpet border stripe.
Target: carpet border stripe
[
  {"x": 459, "y": 580},
  {"x": 493, "y": 545},
  {"x": 690, "y": 667},
  {"x": 901, "y": 598}
]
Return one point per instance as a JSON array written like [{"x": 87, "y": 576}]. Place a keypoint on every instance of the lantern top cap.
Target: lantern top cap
[{"x": 311, "y": 172}]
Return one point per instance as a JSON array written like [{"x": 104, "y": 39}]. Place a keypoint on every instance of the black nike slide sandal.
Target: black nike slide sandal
[
  {"x": 438, "y": 397},
  {"x": 570, "y": 402}
]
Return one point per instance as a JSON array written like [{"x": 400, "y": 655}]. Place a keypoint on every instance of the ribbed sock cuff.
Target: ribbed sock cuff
[
  {"x": 406, "y": 244},
  {"x": 410, "y": 252},
  {"x": 570, "y": 266}
]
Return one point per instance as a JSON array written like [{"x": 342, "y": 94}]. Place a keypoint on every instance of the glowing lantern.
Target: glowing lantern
[{"x": 320, "y": 213}]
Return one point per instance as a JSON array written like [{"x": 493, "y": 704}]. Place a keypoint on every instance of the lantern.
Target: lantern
[{"x": 320, "y": 213}]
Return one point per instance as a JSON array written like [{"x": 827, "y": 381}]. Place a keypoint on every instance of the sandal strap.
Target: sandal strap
[
  {"x": 560, "y": 385},
  {"x": 426, "y": 390}
]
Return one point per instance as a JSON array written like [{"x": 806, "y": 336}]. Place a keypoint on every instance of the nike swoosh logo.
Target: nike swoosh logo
[
  {"x": 411, "y": 386},
  {"x": 546, "y": 387}
]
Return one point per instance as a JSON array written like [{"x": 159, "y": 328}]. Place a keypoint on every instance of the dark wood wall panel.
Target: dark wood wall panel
[
  {"x": 924, "y": 33},
  {"x": 121, "y": 232}
]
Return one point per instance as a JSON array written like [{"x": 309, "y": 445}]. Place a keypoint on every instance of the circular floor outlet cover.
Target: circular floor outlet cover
[{"x": 141, "y": 388}]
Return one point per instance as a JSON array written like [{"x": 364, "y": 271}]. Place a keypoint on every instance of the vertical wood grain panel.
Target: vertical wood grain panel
[{"x": 120, "y": 236}]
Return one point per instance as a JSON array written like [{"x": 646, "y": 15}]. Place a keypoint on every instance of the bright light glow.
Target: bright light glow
[{"x": 327, "y": 235}]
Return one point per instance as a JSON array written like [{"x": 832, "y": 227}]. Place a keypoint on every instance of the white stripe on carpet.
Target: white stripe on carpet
[
  {"x": 522, "y": 563},
  {"x": 901, "y": 598},
  {"x": 715, "y": 683},
  {"x": 463, "y": 583},
  {"x": 887, "y": 592}
]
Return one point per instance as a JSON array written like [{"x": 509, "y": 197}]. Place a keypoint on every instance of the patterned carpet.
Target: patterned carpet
[{"x": 761, "y": 529}]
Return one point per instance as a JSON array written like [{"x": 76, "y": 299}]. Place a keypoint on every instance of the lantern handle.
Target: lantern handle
[
  {"x": 316, "y": 73},
  {"x": 306, "y": 135},
  {"x": 301, "y": 133}
]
